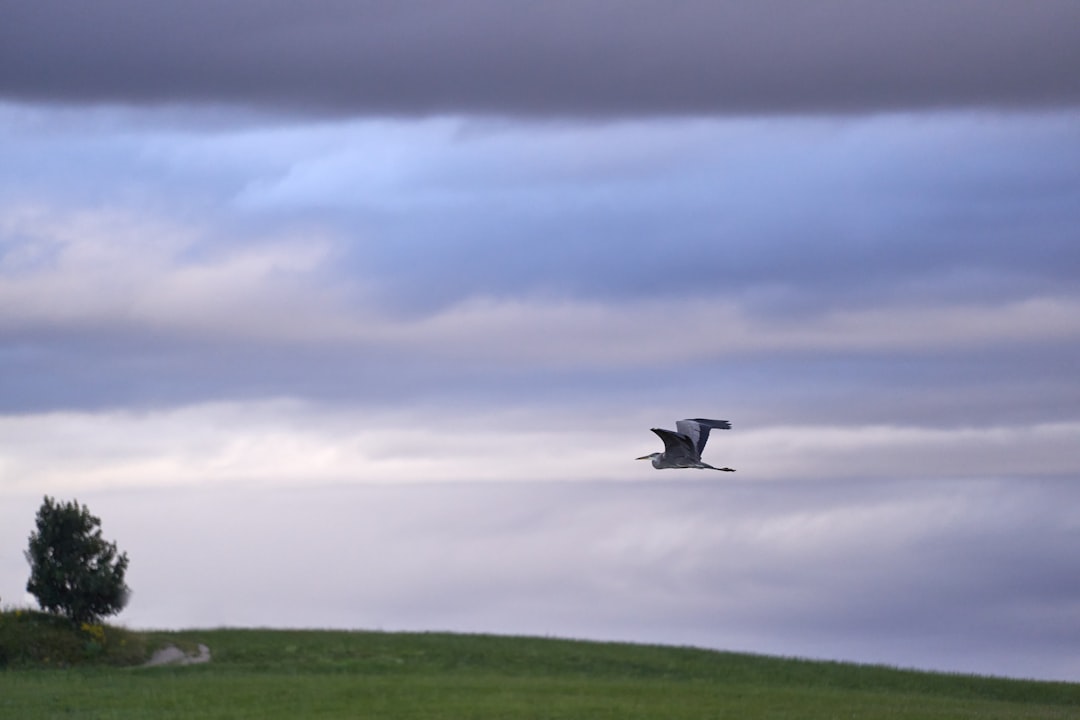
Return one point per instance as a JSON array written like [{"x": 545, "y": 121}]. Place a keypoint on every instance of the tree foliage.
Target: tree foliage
[{"x": 73, "y": 570}]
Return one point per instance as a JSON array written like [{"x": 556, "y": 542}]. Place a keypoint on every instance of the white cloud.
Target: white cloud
[
  {"x": 286, "y": 443},
  {"x": 1050, "y": 449},
  {"x": 122, "y": 270},
  {"x": 109, "y": 269}
]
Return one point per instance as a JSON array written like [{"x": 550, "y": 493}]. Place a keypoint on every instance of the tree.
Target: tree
[{"x": 73, "y": 570}]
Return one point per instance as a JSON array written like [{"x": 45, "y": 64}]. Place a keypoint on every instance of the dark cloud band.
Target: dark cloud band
[{"x": 565, "y": 58}]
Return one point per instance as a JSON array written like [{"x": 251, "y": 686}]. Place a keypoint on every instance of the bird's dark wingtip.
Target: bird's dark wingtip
[{"x": 714, "y": 424}]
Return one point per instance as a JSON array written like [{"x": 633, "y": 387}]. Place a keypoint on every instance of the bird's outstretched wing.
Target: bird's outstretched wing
[
  {"x": 678, "y": 448},
  {"x": 697, "y": 429}
]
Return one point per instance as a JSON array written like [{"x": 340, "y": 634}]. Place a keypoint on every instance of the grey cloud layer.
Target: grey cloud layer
[
  {"x": 785, "y": 215},
  {"x": 774, "y": 265},
  {"x": 552, "y": 58}
]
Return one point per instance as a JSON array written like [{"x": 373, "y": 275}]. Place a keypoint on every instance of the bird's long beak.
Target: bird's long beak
[{"x": 643, "y": 457}]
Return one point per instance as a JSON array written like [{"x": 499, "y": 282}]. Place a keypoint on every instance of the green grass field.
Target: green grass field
[{"x": 310, "y": 674}]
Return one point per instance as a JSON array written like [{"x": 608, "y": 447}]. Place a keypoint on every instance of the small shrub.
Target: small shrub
[{"x": 30, "y": 638}]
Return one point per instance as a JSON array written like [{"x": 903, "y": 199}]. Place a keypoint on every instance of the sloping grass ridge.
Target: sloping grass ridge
[{"x": 331, "y": 674}]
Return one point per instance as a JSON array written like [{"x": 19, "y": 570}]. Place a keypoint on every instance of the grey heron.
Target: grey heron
[{"x": 683, "y": 447}]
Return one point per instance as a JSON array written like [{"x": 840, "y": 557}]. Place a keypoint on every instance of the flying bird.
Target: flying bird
[{"x": 682, "y": 448}]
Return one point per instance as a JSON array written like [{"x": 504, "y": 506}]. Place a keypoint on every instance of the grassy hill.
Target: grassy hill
[{"x": 314, "y": 674}]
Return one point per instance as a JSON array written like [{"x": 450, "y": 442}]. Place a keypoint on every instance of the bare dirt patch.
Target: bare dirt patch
[{"x": 172, "y": 655}]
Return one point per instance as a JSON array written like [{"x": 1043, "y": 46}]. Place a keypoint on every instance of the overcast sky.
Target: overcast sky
[{"x": 356, "y": 315}]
